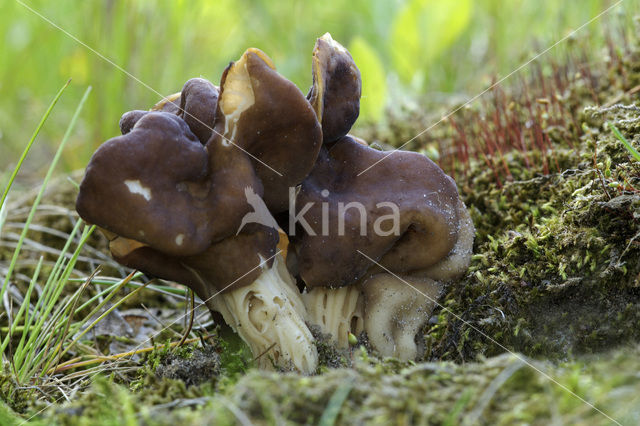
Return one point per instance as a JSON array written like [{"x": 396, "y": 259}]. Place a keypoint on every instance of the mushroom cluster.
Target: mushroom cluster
[{"x": 195, "y": 189}]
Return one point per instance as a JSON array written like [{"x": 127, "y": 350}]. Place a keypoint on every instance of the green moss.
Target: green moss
[
  {"x": 7, "y": 417},
  {"x": 501, "y": 390},
  {"x": 556, "y": 257},
  {"x": 554, "y": 270},
  {"x": 14, "y": 396}
]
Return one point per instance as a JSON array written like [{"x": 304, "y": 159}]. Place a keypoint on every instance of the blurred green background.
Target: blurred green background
[{"x": 422, "y": 49}]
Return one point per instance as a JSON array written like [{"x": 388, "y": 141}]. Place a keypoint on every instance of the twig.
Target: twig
[
  {"x": 265, "y": 351},
  {"x": 190, "y": 326}
]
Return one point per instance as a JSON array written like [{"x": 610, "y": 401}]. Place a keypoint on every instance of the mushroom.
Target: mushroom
[
  {"x": 129, "y": 119},
  {"x": 335, "y": 94},
  {"x": 175, "y": 208},
  {"x": 160, "y": 186},
  {"x": 405, "y": 215},
  {"x": 243, "y": 278},
  {"x": 397, "y": 308},
  {"x": 337, "y": 311},
  {"x": 170, "y": 104},
  {"x": 269, "y": 117},
  {"x": 196, "y": 104}
]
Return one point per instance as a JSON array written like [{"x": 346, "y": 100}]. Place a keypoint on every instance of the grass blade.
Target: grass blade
[
  {"x": 15, "y": 173},
  {"x": 33, "y": 138},
  {"x": 24, "y": 310},
  {"x": 634, "y": 152},
  {"x": 105, "y": 313},
  {"x": 36, "y": 202},
  {"x": 331, "y": 412}
]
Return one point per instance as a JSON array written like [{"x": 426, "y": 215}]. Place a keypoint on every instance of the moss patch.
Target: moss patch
[
  {"x": 557, "y": 255},
  {"x": 500, "y": 390}
]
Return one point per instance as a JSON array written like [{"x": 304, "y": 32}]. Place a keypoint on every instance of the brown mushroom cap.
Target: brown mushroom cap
[
  {"x": 169, "y": 104},
  {"x": 336, "y": 90},
  {"x": 225, "y": 266},
  {"x": 198, "y": 103},
  {"x": 159, "y": 185},
  {"x": 180, "y": 208},
  {"x": 265, "y": 114},
  {"x": 427, "y": 202},
  {"x": 129, "y": 119}
]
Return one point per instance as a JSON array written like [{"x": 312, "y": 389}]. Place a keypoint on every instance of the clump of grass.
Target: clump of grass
[
  {"x": 47, "y": 320},
  {"x": 625, "y": 142},
  {"x": 38, "y": 334},
  {"x": 44, "y": 319}
]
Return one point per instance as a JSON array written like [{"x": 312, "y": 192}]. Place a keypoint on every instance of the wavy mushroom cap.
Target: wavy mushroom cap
[
  {"x": 129, "y": 119},
  {"x": 336, "y": 90},
  {"x": 160, "y": 186},
  {"x": 266, "y": 115},
  {"x": 198, "y": 104},
  {"x": 402, "y": 213},
  {"x": 169, "y": 104},
  {"x": 225, "y": 266}
]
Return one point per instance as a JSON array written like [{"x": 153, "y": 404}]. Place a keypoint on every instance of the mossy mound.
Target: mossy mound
[
  {"x": 555, "y": 271},
  {"x": 502, "y": 390},
  {"x": 200, "y": 366}
]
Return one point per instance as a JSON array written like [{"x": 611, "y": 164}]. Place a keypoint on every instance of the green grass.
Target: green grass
[
  {"x": 46, "y": 180},
  {"x": 26, "y": 152},
  {"x": 43, "y": 329},
  {"x": 45, "y": 322},
  {"x": 634, "y": 152}
]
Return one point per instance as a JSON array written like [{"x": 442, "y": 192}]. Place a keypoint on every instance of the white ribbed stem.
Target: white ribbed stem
[
  {"x": 270, "y": 316},
  {"x": 336, "y": 311}
]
